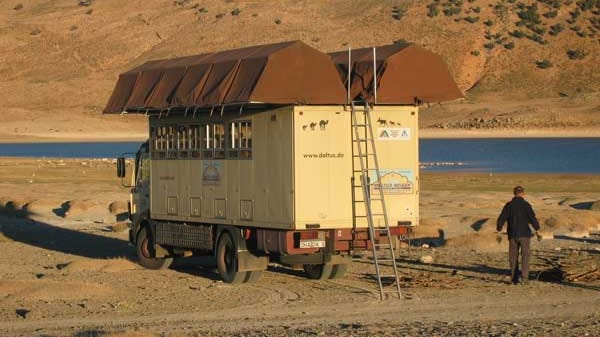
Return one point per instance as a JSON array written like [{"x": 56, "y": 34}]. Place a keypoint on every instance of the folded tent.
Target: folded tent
[
  {"x": 406, "y": 74},
  {"x": 282, "y": 73}
]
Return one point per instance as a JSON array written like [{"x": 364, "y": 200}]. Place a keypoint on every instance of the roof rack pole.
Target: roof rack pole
[
  {"x": 349, "y": 73},
  {"x": 241, "y": 108},
  {"x": 374, "y": 76},
  {"x": 194, "y": 113},
  {"x": 211, "y": 111},
  {"x": 222, "y": 109}
]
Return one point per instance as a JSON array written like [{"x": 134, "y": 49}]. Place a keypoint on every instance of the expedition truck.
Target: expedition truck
[{"x": 254, "y": 157}]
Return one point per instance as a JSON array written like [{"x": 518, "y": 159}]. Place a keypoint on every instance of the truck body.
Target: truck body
[{"x": 283, "y": 177}]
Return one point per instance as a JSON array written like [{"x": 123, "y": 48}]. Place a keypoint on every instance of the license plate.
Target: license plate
[{"x": 312, "y": 243}]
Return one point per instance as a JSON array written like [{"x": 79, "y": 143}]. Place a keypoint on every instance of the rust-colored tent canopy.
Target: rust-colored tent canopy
[
  {"x": 406, "y": 74},
  {"x": 282, "y": 73}
]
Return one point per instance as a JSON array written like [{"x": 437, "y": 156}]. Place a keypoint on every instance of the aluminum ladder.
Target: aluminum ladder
[{"x": 364, "y": 139}]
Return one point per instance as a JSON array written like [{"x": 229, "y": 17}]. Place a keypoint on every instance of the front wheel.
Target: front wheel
[
  {"x": 227, "y": 262},
  {"x": 146, "y": 254}
]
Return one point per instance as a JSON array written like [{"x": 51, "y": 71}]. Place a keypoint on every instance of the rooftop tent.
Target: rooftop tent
[
  {"x": 406, "y": 74},
  {"x": 282, "y": 73}
]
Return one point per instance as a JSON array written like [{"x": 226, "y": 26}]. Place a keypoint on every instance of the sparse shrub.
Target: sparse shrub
[
  {"x": 543, "y": 64},
  {"x": 220, "y": 16},
  {"x": 512, "y": 1},
  {"x": 450, "y": 11},
  {"x": 471, "y": 19},
  {"x": 509, "y": 45},
  {"x": 576, "y": 28},
  {"x": 582, "y": 34},
  {"x": 576, "y": 54},
  {"x": 552, "y": 3},
  {"x": 433, "y": 10},
  {"x": 536, "y": 38},
  {"x": 489, "y": 45},
  {"x": 236, "y": 12},
  {"x": 277, "y": 21},
  {"x": 575, "y": 14},
  {"x": 477, "y": 9},
  {"x": 517, "y": 33},
  {"x": 255, "y": 15},
  {"x": 18, "y": 7},
  {"x": 202, "y": 10},
  {"x": 475, "y": 52},
  {"x": 35, "y": 32},
  {"x": 556, "y": 29},
  {"x": 85, "y": 3},
  {"x": 551, "y": 14},
  {"x": 398, "y": 12},
  {"x": 530, "y": 14},
  {"x": 488, "y": 22},
  {"x": 538, "y": 30},
  {"x": 588, "y": 4},
  {"x": 72, "y": 28},
  {"x": 500, "y": 10},
  {"x": 89, "y": 11}
]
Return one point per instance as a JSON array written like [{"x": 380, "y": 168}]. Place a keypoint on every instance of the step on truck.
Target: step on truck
[{"x": 253, "y": 157}]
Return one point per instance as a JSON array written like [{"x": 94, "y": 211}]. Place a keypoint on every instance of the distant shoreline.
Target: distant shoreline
[{"x": 428, "y": 133}]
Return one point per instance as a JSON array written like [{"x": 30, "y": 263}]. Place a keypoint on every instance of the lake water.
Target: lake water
[{"x": 550, "y": 155}]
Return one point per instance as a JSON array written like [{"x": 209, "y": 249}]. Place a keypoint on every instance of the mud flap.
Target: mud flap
[{"x": 250, "y": 262}]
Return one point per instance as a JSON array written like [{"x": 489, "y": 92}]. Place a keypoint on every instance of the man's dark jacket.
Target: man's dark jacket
[{"x": 519, "y": 214}]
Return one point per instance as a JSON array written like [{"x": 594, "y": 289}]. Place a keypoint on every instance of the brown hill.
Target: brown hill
[{"x": 60, "y": 58}]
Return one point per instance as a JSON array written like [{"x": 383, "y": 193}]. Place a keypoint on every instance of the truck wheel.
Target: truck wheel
[
  {"x": 318, "y": 271},
  {"x": 339, "y": 270},
  {"x": 145, "y": 251},
  {"x": 227, "y": 260}
]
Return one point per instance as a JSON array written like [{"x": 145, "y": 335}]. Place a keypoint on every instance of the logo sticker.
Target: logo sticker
[
  {"x": 211, "y": 173},
  {"x": 393, "y": 181},
  {"x": 393, "y": 134}
]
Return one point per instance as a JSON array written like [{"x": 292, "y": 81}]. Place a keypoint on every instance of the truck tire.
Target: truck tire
[
  {"x": 318, "y": 271},
  {"x": 339, "y": 270},
  {"x": 144, "y": 247},
  {"x": 227, "y": 260}
]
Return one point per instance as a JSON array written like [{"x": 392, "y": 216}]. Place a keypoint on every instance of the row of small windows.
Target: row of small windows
[{"x": 202, "y": 141}]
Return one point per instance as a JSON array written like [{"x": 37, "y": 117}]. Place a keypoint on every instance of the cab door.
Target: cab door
[{"x": 140, "y": 193}]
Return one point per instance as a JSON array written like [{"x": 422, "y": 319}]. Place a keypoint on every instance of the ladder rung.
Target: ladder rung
[
  {"x": 385, "y": 260},
  {"x": 382, "y": 244},
  {"x": 362, "y": 140},
  {"x": 359, "y": 125},
  {"x": 387, "y": 275}
]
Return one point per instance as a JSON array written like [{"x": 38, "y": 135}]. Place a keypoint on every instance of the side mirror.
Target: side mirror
[{"x": 121, "y": 167}]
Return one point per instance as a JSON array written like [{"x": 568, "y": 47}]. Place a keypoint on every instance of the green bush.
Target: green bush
[
  {"x": 543, "y": 64},
  {"x": 517, "y": 33},
  {"x": 538, "y": 30},
  {"x": 556, "y": 29},
  {"x": 551, "y": 14},
  {"x": 471, "y": 19},
  {"x": 477, "y": 9},
  {"x": 450, "y": 11},
  {"x": 489, "y": 45},
  {"x": 588, "y": 4},
  {"x": 576, "y": 54},
  {"x": 236, "y": 12},
  {"x": 530, "y": 14},
  {"x": 488, "y": 22},
  {"x": 536, "y": 38},
  {"x": 475, "y": 52},
  {"x": 509, "y": 45}
]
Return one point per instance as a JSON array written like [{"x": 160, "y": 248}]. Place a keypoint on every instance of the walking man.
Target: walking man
[{"x": 519, "y": 214}]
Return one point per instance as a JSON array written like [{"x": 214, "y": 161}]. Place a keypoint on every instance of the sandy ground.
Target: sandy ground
[{"x": 67, "y": 270}]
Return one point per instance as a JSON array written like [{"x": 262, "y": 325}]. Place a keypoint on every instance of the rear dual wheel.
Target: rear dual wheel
[{"x": 227, "y": 263}]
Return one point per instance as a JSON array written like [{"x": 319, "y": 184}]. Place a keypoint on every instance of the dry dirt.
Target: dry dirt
[
  {"x": 64, "y": 275},
  {"x": 60, "y": 60}
]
